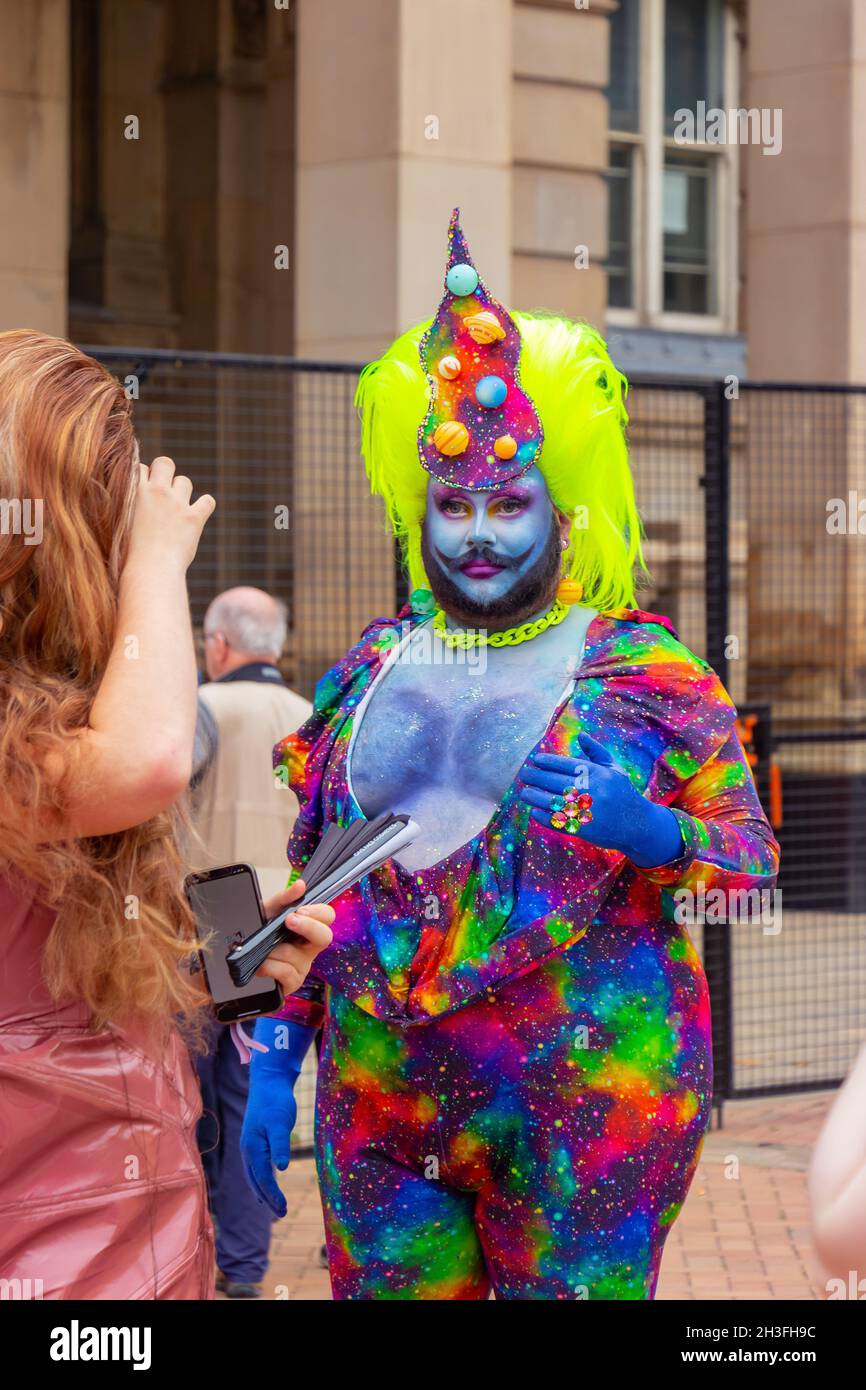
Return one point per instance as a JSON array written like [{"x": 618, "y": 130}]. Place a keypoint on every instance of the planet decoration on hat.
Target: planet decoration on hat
[
  {"x": 449, "y": 368},
  {"x": 481, "y": 428},
  {"x": 491, "y": 392},
  {"x": 462, "y": 279}
]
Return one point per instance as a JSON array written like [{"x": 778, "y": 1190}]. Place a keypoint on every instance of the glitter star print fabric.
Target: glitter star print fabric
[
  {"x": 518, "y": 892},
  {"x": 516, "y": 1068},
  {"x": 540, "y": 1141},
  {"x": 516, "y": 1073}
]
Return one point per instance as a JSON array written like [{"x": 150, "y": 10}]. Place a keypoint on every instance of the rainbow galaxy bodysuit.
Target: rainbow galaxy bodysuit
[{"x": 516, "y": 1070}]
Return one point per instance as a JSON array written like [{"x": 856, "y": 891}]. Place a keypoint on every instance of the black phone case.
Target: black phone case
[{"x": 198, "y": 964}]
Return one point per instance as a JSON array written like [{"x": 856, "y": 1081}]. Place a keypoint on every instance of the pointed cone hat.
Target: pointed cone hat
[{"x": 481, "y": 428}]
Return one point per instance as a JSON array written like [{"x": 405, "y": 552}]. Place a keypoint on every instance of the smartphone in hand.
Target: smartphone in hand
[{"x": 227, "y": 906}]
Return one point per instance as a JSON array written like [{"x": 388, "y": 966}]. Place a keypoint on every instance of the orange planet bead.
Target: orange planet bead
[
  {"x": 449, "y": 368},
  {"x": 451, "y": 438},
  {"x": 505, "y": 447},
  {"x": 569, "y": 591},
  {"x": 484, "y": 327}
]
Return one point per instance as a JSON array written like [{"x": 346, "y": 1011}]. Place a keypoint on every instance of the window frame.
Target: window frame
[{"x": 649, "y": 145}]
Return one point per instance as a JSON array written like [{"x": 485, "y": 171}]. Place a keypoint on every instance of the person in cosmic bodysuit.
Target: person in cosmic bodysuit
[{"x": 516, "y": 1072}]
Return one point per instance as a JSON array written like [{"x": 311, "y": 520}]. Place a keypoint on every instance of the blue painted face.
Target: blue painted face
[{"x": 488, "y": 542}]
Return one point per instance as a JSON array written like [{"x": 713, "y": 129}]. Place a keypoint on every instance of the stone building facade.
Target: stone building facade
[{"x": 155, "y": 152}]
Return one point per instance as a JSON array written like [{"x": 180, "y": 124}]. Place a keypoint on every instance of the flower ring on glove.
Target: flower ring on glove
[
  {"x": 571, "y": 810},
  {"x": 562, "y": 789}
]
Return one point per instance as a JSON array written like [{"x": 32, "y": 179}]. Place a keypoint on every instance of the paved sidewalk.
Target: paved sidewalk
[
  {"x": 743, "y": 1233},
  {"x": 744, "y": 1230}
]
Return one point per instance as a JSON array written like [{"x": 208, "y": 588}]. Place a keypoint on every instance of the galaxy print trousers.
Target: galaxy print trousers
[{"x": 539, "y": 1142}]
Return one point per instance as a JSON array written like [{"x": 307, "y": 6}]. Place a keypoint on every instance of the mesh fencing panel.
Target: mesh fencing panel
[{"x": 799, "y": 984}]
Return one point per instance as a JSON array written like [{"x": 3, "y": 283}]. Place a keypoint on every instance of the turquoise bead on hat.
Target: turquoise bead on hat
[
  {"x": 491, "y": 392},
  {"x": 462, "y": 280}
]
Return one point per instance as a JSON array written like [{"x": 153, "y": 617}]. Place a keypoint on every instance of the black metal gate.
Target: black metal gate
[{"x": 782, "y": 573}]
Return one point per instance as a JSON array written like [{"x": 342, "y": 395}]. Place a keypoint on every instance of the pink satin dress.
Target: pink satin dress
[{"x": 102, "y": 1194}]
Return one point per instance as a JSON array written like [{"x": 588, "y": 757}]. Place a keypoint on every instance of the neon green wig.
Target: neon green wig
[{"x": 580, "y": 396}]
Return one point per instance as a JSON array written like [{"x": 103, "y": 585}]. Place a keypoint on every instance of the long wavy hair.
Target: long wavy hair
[
  {"x": 580, "y": 396},
  {"x": 67, "y": 444}
]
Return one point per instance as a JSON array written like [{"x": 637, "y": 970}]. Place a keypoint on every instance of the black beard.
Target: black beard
[{"x": 533, "y": 592}]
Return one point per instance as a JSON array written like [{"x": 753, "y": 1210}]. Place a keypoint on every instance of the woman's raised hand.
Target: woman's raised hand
[{"x": 167, "y": 525}]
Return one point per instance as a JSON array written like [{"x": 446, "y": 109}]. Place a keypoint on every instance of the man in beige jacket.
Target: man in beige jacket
[{"x": 243, "y": 815}]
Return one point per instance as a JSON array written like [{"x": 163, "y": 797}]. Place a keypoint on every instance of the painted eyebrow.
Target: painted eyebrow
[
  {"x": 443, "y": 493},
  {"x": 517, "y": 494}
]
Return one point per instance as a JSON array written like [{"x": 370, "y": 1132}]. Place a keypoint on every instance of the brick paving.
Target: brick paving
[
  {"x": 744, "y": 1230},
  {"x": 743, "y": 1233}
]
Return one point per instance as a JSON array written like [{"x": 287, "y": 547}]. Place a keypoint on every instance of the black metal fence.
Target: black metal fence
[{"x": 749, "y": 494}]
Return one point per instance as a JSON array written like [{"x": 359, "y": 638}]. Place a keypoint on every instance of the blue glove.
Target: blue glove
[
  {"x": 271, "y": 1109},
  {"x": 622, "y": 818}
]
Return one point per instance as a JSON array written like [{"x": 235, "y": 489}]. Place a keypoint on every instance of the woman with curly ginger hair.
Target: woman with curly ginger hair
[{"x": 101, "y": 1189}]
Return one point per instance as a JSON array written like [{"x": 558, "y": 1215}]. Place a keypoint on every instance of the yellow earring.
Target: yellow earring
[{"x": 569, "y": 591}]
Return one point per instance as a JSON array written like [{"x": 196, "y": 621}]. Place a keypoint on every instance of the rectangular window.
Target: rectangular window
[
  {"x": 672, "y": 206},
  {"x": 620, "y": 183},
  {"x": 694, "y": 56},
  {"x": 623, "y": 94},
  {"x": 688, "y": 257}
]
